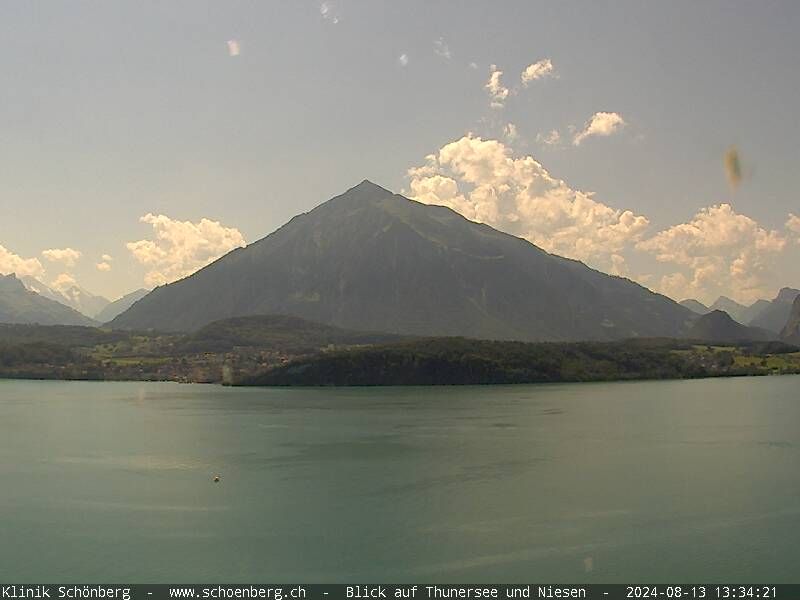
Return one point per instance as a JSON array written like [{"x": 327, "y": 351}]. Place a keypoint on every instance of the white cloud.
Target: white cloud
[
  {"x": 107, "y": 257},
  {"x": 234, "y": 49},
  {"x": 483, "y": 181},
  {"x": 441, "y": 48},
  {"x": 537, "y": 70},
  {"x": 551, "y": 138},
  {"x": 329, "y": 12},
  {"x": 181, "y": 247},
  {"x": 103, "y": 266},
  {"x": 497, "y": 91},
  {"x": 473, "y": 65},
  {"x": 718, "y": 252},
  {"x": 63, "y": 282},
  {"x": 403, "y": 60},
  {"x": 793, "y": 224},
  {"x": 67, "y": 256},
  {"x": 601, "y": 123},
  {"x": 510, "y": 132},
  {"x": 14, "y": 263}
]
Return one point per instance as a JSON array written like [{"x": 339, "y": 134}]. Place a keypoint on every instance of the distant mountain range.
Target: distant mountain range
[
  {"x": 74, "y": 296},
  {"x": 719, "y": 326},
  {"x": 96, "y": 307},
  {"x": 20, "y": 305},
  {"x": 739, "y": 312},
  {"x": 373, "y": 260},
  {"x": 118, "y": 307},
  {"x": 764, "y": 314},
  {"x": 791, "y": 331},
  {"x": 695, "y": 306},
  {"x": 775, "y": 316}
]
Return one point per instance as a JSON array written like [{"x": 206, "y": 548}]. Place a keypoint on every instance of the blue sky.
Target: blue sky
[{"x": 114, "y": 111}]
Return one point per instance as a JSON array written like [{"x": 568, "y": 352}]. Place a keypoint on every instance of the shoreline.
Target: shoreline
[{"x": 394, "y": 385}]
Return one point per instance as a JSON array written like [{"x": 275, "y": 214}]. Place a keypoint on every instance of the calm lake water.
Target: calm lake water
[{"x": 670, "y": 481}]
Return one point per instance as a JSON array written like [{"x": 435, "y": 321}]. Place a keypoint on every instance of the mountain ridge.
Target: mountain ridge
[
  {"x": 372, "y": 260},
  {"x": 774, "y": 316},
  {"x": 74, "y": 296},
  {"x": 791, "y": 331},
  {"x": 695, "y": 306},
  {"x": 20, "y": 305},
  {"x": 120, "y": 305},
  {"x": 719, "y": 326}
]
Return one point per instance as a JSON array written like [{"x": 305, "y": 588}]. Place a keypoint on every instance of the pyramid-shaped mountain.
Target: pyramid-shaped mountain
[
  {"x": 719, "y": 326},
  {"x": 373, "y": 260}
]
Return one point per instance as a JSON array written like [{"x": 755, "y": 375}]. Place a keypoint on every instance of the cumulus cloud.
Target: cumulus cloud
[
  {"x": 402, "y": 60},
  {"x": 329, "y": 12},
  {"x": 497, "y": 91},
  {"x": 551, "y": 138},
  {"x": 537, "y": 70},
  {"x": 441, "y": 48},
  {"x": 63, "y": 282},
  {"x": 793, "y": 225},
  {"x": 181, "y": 247},
  {"x": 67, "y": 256},
  {"x": 14, "y": 263},
  {"x": 719, "y": 251},
  {"x": 602, "y": 124},
  {"x": 105, "y": 263},
  {"x": 482, "y": 180}
]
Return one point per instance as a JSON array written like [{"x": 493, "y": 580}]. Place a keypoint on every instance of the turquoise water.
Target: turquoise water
[{"x": 656, "y": 481}]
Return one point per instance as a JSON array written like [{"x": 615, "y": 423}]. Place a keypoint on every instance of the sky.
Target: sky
[{"x": 652, "y": 140}]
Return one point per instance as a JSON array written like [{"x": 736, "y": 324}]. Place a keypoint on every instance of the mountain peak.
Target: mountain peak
[
  {"x": 787, "y": 295},
  {"x": 359, "y": 195},
  {"x": 695, "y": 306},
  {"x": 719, "y": 326},
  {"x": 724, "y": 300},
  {"x": 791, "y": 331},
  {"x": 20, "y": 305},
  {"x": 370, "y": 259},
  {"x": 10, "y": 282},
  {"x": 367, "y": 187}
]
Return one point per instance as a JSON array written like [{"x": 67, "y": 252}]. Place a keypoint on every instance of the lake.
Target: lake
[{"x": 666, "y": 481}]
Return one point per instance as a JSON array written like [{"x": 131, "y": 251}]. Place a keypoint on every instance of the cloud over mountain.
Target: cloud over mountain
[
  {"x": 67, "y": 256},
  {"x": 793, "y": 225},
  {"x": 179, "y": 248},
  {"x": 717, "y": 251},
  {"x": 14, "y": 263},
  {"x": 63, "y": 281},
  {"x": 481, "y": 179}
]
